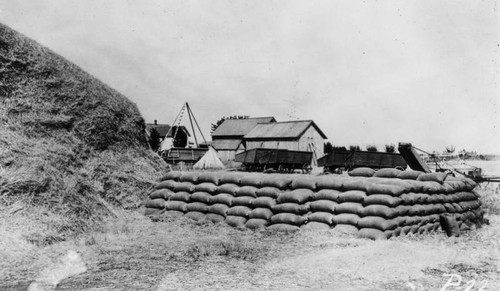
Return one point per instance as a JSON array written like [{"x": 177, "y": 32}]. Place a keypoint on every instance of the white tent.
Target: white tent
[{"x": 209, "y": 161}]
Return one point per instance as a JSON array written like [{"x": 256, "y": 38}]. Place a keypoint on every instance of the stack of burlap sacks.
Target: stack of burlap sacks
[{"x": 379, "y": 204}]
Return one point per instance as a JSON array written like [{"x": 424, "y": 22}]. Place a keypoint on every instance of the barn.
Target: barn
[
  {"x": 161, "y": 129},
  {"x": 300, "y": 135},
  {"x": 166, "y": 134},
  {"x": 227, "y": 139},
  {"x": 177, "y": 137}
]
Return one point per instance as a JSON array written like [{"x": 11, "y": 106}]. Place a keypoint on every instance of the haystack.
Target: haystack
[{"x": 70, "y": 144}]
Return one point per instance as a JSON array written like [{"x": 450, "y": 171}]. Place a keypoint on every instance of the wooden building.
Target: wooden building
[
  {"x": 303, "y": 135},
  {"x": 166, "y": 134},
  {"x": 227, "y": 139},
  {"x": 161, "y": 129}
]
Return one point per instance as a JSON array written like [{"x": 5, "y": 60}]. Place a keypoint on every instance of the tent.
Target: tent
[{"x": 209, "y": 161}]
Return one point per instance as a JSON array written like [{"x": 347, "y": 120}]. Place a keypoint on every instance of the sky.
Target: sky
[{"x": 367, "y": 72}]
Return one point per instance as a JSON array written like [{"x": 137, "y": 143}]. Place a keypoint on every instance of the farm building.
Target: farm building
[
  {"x": 227, "y": 139},
  {"x": 178, "y": 137},
  {"x": 302, "y": 135},
  {"x": 161, "y": 129},
  {"x": 166, "y": 134}
]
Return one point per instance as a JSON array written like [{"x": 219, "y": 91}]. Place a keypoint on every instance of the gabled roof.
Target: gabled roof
[
  {"x": 182, "y": 127},
  {"x": 239, "y": 127},
  {"x": 226, "y": 144},
  {"x": 163, "y": 129},
  {"x": 282, "y": 130}
]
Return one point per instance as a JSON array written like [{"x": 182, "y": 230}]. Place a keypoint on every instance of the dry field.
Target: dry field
[
  {"x": 131, "y": 252},
  {"x": 74, "y": 157}
]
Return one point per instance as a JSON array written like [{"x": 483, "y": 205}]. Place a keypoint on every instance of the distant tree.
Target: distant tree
[
  {"x": 339, "y": 149},
  {"x": 354, "y": 148},
  {"x": 463, "y": 154},
  {"x": 222, "y": 119},
  {"x": 327, "y": 147},
  {"x": 450, "y": 149},
  {"x": 390, "y": 148},
  {"x": 371, "y": 148},
  {"x": 154, "y": 139}
]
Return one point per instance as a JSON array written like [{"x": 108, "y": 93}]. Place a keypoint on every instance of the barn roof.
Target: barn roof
[
  {"x": 282, "y": 130},
  {"x": 226, "y": 144},
  {"x": 240, "y": 127},
  {"x": 163, "y": 129}
]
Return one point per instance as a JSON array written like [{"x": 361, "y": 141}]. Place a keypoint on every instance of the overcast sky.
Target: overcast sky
[{"x": 367, "y": 72}]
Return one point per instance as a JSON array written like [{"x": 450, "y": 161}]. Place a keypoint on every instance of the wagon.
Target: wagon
[
  {"x": 186, "y": 155},
  {"x": 355, "y": 159},
  {"x": 282, "y": 160}
]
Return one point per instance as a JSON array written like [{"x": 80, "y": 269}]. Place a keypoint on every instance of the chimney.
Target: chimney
[{"x": 156, "y": 122}]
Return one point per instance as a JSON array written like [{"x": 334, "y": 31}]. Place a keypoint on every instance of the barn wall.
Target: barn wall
[
  {"x": 225, "y": 155},
  {"x": 240, "y": 149},
  {"x": 310, "y": 136},
  {"x": 289, "y": 145},
  {"x": 229, "y": 155},
  {"x": 273, "y": 144}
]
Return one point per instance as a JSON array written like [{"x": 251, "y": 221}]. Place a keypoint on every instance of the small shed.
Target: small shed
[
  {"x": 301, "y": 135},
  {"x": 227, "y": 139}
]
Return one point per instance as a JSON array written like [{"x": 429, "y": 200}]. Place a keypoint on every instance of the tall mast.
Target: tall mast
[
  {"x": 191, "y": 121},
  {"x": 194, "y": 118}
]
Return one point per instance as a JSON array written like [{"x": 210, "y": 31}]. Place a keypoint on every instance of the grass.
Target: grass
[
  {"x": 489, "y": 198},
  {"x": 131, "y": 252}
]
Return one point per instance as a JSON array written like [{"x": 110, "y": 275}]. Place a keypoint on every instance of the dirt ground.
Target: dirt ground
[
  {"x": 131, "y": 252},
  {"x": 353, "y": 264},
  {"x": 137, "y": 254}
]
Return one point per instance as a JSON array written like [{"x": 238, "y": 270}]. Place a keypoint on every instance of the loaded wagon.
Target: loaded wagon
[
  {"x": 282, "y": 160},
  {"x": 355, "y": 159},
  {"x": 186, "y": 155}
]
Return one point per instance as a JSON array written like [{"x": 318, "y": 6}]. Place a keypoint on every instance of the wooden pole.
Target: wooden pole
[
  {"x": 189, "y": 109},
  {"x": 191, "y": 121}
]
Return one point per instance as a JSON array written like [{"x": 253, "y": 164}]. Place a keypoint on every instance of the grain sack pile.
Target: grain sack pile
[{"x": 380, "y": 204}]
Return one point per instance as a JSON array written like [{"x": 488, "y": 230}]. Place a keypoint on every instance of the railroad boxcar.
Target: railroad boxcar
[
  {"x": 281, "y": 160},
  {"x": 355, "y": 159}
]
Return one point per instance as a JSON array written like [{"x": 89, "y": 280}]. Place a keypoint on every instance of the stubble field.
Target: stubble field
[{"x": 131, "y": 252}]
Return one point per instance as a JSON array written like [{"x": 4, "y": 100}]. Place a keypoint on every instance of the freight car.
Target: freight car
[
  {"x": 186, "y": 155},
  {"x": 348, "y": 160},
  {"x": 281, "y": 160}
]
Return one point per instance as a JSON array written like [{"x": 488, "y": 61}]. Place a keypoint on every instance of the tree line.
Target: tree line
[{"x": 328, "y": 148}]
